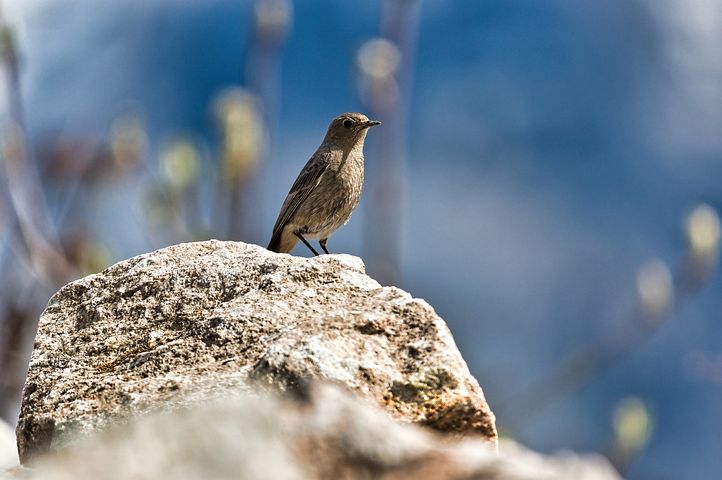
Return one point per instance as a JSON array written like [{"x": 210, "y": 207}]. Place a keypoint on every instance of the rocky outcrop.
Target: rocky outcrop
[
  {"x": 193, "y": 322},
  {"x": 322, "y": 433}
]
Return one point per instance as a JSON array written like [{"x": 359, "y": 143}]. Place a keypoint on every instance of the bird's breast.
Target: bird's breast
[{"x": 350, "y": 177}]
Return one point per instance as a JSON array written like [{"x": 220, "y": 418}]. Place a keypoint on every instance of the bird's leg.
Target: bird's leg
[
  {"x": 306, "y": 243},
  {"x": 323, "y": 245}
]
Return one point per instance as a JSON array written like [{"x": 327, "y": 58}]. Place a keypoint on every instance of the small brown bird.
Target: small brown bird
[{"x": 327, "y": 189}]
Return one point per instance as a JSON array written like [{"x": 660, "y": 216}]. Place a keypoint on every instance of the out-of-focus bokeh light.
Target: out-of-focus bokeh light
[
  {"x": 86, "y": 252},
  {"x": 273, "y": 18},
  {"x": 128, "y": 142},
  {"x": 242, "y": 132},
  {"x": 551, "y": 148},
  {"x": 378, "y": 58},
  {"x": 633, "y": 424},
  {"x": 655, "y": 287},
  {"x": 377, "y": 61},
  {"x": 703, "y": 233},
  {"x": 180, "y": 164},
  {"x": 96, "y": 258}
]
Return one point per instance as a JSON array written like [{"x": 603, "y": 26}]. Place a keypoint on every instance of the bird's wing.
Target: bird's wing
[{"x": 307, "y": 180}]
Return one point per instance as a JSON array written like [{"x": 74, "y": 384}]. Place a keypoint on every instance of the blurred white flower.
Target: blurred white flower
[
  {"x": 703, "y": 234},
  {"x": 378, "y": 58},
  {"x": 180, "y": 164},
  {"x": 655, "y": 287}
]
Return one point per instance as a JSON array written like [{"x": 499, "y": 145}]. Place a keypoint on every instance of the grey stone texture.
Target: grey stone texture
[{"x": 197, "y": 322}]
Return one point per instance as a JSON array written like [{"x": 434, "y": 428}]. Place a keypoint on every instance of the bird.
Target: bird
[{"x": 328, "y": 188}]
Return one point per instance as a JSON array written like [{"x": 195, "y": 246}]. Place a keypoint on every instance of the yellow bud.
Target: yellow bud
[
  {"x": 180, "y": 164},
  {"x": 632, "y": 425},
  {"x": 242, "y": 132}
]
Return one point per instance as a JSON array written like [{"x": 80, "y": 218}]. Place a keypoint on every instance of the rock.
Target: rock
[
  {"x": 191, "y": 322},
  {"x": 325, "y": 433},
  {"x": 8, "y": 451}
]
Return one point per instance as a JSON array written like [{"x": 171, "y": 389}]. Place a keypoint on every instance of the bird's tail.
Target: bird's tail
[{"x": 282, "y": 241}]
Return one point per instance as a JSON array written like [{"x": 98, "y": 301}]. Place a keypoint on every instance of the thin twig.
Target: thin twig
[{"x": 387, "y": 97}]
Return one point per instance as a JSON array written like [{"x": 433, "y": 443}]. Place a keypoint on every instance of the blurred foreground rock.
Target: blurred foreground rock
[
  {"x": 325, "y": 433},
  {"x": 8, "y": 451},
  {"x": 193, "y": 322}
]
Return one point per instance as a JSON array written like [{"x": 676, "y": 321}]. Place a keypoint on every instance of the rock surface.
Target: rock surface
[
  {"x": 325, "y": 433},
  {"x": 194, "y": 321}
]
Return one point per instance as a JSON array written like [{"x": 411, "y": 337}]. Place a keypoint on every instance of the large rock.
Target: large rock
[
  {"x": 325, "y": 433},
  {"x": 193, "y": 321}
]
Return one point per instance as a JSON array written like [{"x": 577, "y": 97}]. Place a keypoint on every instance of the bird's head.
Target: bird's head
[{"x": 349, "y": 129}]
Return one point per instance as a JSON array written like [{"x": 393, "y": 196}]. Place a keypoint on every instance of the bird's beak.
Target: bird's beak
[{"x": 371, "y": 123}]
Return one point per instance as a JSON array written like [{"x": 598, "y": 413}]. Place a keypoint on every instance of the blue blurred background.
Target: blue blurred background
[{"x": 547, "y": 178}]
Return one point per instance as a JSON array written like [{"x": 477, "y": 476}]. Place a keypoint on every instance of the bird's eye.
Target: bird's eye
[{"x": 347, "y": 123}]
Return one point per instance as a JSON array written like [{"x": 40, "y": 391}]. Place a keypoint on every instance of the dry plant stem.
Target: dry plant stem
[
  {"x": 20, "y": 305},
  {"x": 386, "y": 179},
  {"x": 589, "y": 362},
  {"x": 238, "y": 208},
  {"x": 577, "y": 370},
  {"x": 194, "y": 216},
  {"x": 261, "y": 72},
  {"x": 12, "y": 334},
  {"x": 17, "y": 331},
  {"x": 33, "y": 221},
  {"x": 85, "y": 157},
  {"x": 21, "y": 179},
  {"x": 30, "y": 239}
]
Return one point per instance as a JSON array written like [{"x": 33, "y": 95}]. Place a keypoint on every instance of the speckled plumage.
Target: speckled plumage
[{"x": 328, "y": 188}]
